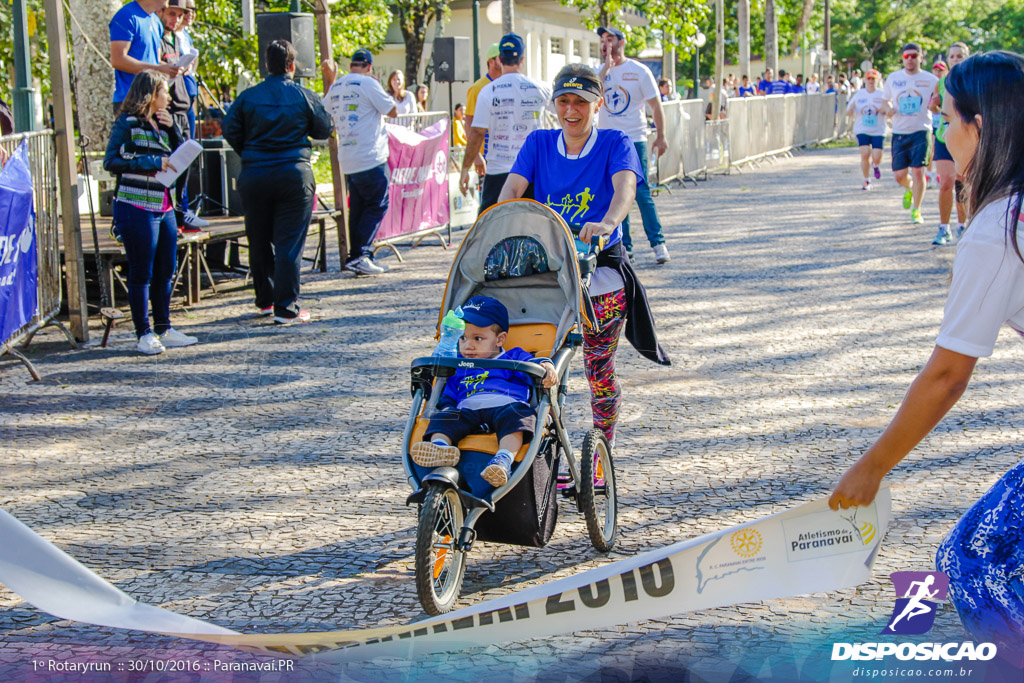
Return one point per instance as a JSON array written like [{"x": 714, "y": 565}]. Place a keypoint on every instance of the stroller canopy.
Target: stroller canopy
[{"x": 521, "y": 253}]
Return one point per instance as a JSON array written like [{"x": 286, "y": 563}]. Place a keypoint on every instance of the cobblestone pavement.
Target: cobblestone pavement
[{"x": 254, "y": 480}]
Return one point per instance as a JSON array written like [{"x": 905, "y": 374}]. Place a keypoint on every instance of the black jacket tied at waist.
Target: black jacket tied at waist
[{"x": 640, "y": 329}]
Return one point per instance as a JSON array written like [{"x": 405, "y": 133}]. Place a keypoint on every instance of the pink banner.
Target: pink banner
[{"x": 418, "y": 193}]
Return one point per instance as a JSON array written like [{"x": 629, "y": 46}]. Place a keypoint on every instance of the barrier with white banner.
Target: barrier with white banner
[{"x": 806, "y": 549}]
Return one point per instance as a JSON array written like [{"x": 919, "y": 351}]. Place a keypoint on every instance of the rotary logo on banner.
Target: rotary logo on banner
[
  {"x": 19, "y": 268},
  {"x": 418, "y": 186}
]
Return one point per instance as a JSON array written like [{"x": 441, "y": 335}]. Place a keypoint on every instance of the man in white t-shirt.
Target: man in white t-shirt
[
  {"x": 359, "y": 105},
  {"x": 507, "y": 110},
  {"x": 909, "y": 92},
  {"x": 629, "y": 87}
]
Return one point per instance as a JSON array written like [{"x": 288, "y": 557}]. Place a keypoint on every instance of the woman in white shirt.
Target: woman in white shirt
[
  {"x": 405, "y": 103},
  {"x": 983, "y": 555}
]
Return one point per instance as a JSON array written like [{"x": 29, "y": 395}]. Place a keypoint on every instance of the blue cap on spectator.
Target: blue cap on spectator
[
  {"x": 614, "y": 31},
  {"x": 483, "y": 311},
  {"x": 511, "y": 45},
  {"x": 362, "y": 56}
]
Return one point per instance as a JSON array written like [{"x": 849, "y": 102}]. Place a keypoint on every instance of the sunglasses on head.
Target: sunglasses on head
[{"x": 911, "y": 55}]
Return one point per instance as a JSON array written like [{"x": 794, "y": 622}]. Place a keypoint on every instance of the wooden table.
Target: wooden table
[{"x": 191, "y": 260}]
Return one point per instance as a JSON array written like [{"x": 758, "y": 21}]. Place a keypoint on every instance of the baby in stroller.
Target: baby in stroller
[{"x": 478, "y": 401}]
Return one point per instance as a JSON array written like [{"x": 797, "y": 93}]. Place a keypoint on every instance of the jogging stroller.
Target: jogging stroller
[{"x": 523, "y": 254}]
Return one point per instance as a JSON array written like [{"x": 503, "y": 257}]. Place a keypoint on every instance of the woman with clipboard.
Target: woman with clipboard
[{"x": 141, "y": 142}]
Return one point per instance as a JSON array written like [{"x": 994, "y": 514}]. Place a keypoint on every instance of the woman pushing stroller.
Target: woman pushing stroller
[
  {"x": 589, "y": 177},
  {"x": 524, "y": 254}
]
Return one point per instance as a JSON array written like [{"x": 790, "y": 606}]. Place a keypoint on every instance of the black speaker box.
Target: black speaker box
[
  {"x": 298, "y": 29},
  {"x": 221, "y": 166},
  {"x": 452, "y": 62}
]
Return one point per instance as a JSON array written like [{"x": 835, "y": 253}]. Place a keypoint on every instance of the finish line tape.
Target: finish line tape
[{"x": 808, "y": 549}]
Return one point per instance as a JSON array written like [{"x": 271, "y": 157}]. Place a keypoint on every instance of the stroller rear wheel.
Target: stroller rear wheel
[
  {"x": 440, "y": 565},
  {"x": 597, "y": 499}
]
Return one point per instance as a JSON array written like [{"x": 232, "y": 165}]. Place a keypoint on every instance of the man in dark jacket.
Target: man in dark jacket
[{"x": 270, "y": 125}]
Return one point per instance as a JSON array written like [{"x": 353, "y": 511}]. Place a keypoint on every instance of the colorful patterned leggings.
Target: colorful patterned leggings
[
  {"x": 599, "y": 359},
  {"x": 984, "y": 558}
]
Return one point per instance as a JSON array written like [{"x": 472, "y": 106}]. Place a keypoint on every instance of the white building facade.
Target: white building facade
[{"x": 554, "y": 36}]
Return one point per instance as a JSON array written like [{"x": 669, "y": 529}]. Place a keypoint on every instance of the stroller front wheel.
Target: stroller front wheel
[
  {"x": 440, "y": 564},
  {"x": 597, "y": 499}
]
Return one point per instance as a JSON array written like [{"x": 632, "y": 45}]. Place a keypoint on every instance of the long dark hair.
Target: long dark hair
[
  {"x": 144, "y": 87},
  {"x": 992, "y": 85}
]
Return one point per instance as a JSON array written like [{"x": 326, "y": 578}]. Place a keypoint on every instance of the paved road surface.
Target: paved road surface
[{"x": 253, "y": 480}]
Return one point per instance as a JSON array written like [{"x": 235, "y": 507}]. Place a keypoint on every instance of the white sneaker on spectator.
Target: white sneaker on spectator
[
  {"x": 150, "y": 344},
  {"x": 364, "y": 265},
  {"x": 172, "y": 339},
  {"x": 194, "y": 221},
  {"x": 661, "y": 253}
]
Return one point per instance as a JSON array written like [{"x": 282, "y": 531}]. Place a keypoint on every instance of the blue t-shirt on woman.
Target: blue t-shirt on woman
[{"x": 577, "y": 187}]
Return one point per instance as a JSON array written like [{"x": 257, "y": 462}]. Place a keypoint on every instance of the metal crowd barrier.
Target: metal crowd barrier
[
  {"x": 692, "y": 155},
  {"x": 759, "y": 127},
  {"x": 716, "y": 145},
  {"x": 42, "y": 155},
  {"x": 670, "y": 164},
  {"x": 419, "y": 120}
]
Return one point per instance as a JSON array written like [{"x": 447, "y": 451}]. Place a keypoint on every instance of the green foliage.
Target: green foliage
[
  {"x": 678, "y": 18},
  {"x": 876, "y": 30},
  {"x": 413, "y": 16},
  {"x": 1003, "y": 28},
  {"x": 37, "y": 42},
  {"x": 227, "y": 53},
  {"x": 787, "y": 14}
]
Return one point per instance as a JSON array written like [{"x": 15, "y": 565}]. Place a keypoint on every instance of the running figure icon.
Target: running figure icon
[{"x": 915, "y": 607}]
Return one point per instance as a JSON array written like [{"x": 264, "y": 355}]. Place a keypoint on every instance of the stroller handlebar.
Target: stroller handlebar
[
  {"x": 534, "y": 370},
  {"x": 596, "y": 245}
]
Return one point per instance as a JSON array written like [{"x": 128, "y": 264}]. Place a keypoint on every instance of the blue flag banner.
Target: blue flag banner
[{"x": 19, "y": 267}]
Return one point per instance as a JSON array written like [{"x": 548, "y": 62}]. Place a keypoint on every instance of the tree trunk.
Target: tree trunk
[
  {"x": 95, "y": 78},
  {"x": 508, "y": 20},
  {"x": 413, "y": 57},
  {"x": 668, "y": 58},
  {"x": 743, "y": 16},
  {"x": 412, "y": 19},
  {"x": 805, "y": 20},
  {"x": 771, "y": 37},
  {"x": 428, "y": 73}
]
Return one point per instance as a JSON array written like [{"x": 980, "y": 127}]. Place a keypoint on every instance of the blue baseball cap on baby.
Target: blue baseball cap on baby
[{"x": 483, "y": 311}]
